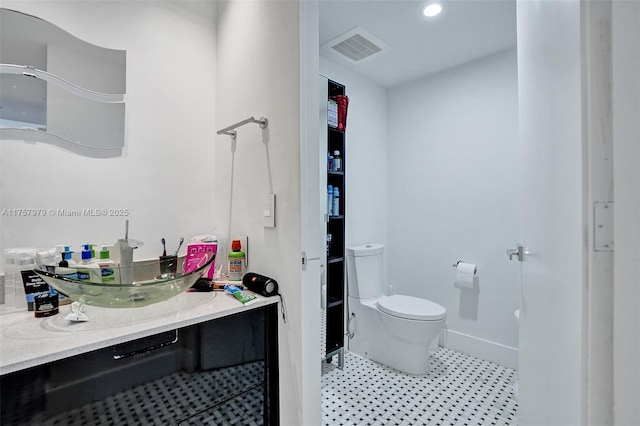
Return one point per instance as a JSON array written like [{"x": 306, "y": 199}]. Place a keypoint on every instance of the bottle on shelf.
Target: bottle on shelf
[
  {"x": 332, "y": 113},
  {"x": 329, "y": 238},
  {"x": 336, "y": 202},
  {"x": 329, "y": 162},
  {"x": 337, "y": 161},
  {"x": 329, "y": 200}
]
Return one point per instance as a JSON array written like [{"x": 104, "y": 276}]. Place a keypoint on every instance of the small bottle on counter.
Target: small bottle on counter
[
  {"x": 65, "y": 271},
  {"x": 30, "y": 282},
  {"x": 11, "y": 277},
  {"x": 108, "y": 269},
  {"x": 236, "y": 261},
  {"x": 68, "y": 256},
  {"x": 88, "y": 270},
  {"x": 45, "y": 304}
]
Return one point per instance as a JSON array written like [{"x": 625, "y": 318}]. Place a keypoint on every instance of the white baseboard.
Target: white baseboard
[{"x": 484, "y": 349}]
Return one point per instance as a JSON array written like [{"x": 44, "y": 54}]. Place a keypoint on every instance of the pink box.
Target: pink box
[{"x": 196, "y": 253}]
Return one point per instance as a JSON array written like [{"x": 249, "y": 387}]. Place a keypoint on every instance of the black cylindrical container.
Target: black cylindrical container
[
  {"x": 260, "y": 284},
  {"x": 45, "y": 305}
]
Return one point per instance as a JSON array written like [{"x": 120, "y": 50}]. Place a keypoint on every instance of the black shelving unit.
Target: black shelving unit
[{"x": 336, "y": 267}]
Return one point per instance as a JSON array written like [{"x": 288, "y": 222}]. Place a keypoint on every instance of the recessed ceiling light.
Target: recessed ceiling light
[{"x": 432, "y": 9}]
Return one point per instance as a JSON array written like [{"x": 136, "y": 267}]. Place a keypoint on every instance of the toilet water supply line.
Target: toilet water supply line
[
  {"x": 350, "y": 333},
  {"x": 352, "y": 317}
]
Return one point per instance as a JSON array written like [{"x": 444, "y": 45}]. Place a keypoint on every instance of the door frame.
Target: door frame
[
  {"x": 608, "y": 39},
  {"x": 626, "y": 157}
]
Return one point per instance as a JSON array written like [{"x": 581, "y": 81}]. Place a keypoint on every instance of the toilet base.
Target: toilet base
[{"x": 399, "y": 343}]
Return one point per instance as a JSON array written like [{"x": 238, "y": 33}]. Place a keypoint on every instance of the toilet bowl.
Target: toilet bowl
[{"x": 393, "y": 330}]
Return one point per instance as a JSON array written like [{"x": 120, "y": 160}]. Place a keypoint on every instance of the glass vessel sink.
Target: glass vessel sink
[{"x": 149, "y": 285}]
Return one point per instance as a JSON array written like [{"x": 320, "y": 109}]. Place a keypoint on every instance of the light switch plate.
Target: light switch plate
[{"x": 269, "y": 210}]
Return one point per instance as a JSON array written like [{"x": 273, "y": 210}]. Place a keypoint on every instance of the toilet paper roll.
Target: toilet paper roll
[{"x": 464, "y": 274}]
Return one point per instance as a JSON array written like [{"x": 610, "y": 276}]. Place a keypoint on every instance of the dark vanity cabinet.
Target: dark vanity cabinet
[{"x": 219, "y": 372}]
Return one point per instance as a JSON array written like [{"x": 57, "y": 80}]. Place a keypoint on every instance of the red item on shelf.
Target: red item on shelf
[{"x": 343, "y": 106}]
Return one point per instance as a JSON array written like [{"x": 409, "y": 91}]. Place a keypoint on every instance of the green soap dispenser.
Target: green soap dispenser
[{"x": 108, "y": 268}]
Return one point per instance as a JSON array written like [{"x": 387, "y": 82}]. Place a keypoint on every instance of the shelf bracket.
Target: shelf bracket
[{"x": 230, "y": 130}]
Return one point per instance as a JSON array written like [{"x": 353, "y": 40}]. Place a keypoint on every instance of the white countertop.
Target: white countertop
[{"x": 26, "y": 341}]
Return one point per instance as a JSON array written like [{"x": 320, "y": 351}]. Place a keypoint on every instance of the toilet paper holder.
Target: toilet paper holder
[
  {"x": 466, "y": 277},
  {"x": 455, "y": 265}
]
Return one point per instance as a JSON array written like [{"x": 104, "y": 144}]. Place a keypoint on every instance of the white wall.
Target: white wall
[
  {"x": 454, "y": 194},
  {"x": 626, "y": 132},
  {"x": 164, "y": 176},
  {"x": 366, "y": 166},
  {"x": 258, "y": 74}
]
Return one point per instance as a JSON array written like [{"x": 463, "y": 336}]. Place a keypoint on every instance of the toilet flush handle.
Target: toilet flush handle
[{"x": 518, "y": 252}]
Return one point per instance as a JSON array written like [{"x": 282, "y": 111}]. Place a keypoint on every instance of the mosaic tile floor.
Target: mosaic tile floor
[{"x": 458, "y": 390}]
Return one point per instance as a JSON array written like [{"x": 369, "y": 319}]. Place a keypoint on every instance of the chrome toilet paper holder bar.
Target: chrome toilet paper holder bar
[{"x": 457, "y": 264}]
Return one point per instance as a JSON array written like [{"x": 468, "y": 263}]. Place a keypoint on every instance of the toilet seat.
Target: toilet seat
[{"x": 410, "y": 307}]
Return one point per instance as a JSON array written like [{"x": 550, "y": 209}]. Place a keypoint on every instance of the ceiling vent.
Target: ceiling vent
[{"x": 356, "y": 46}]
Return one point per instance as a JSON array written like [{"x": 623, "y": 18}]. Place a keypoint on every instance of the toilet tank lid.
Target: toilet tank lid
[
  {"x": 365, "y": 250},
  {"x": 410, "y": 307}
]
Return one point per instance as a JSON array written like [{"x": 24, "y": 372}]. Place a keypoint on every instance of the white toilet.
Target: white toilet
[{"x": 393, "y": 330}]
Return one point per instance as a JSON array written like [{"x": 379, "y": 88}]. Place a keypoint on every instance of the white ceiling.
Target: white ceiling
[{"x": 466, "y": 30}]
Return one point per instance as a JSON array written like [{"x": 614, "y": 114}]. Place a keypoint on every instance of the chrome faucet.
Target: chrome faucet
[{"x": 125, "y": 249}]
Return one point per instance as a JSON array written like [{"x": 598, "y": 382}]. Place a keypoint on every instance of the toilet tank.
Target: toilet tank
[{"x": 364, "y": 271}]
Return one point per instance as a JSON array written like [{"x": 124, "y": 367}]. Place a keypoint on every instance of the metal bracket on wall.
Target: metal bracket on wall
[
  {"x": 230, "y": 130},
  {"x": 603, "y": 226}
]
